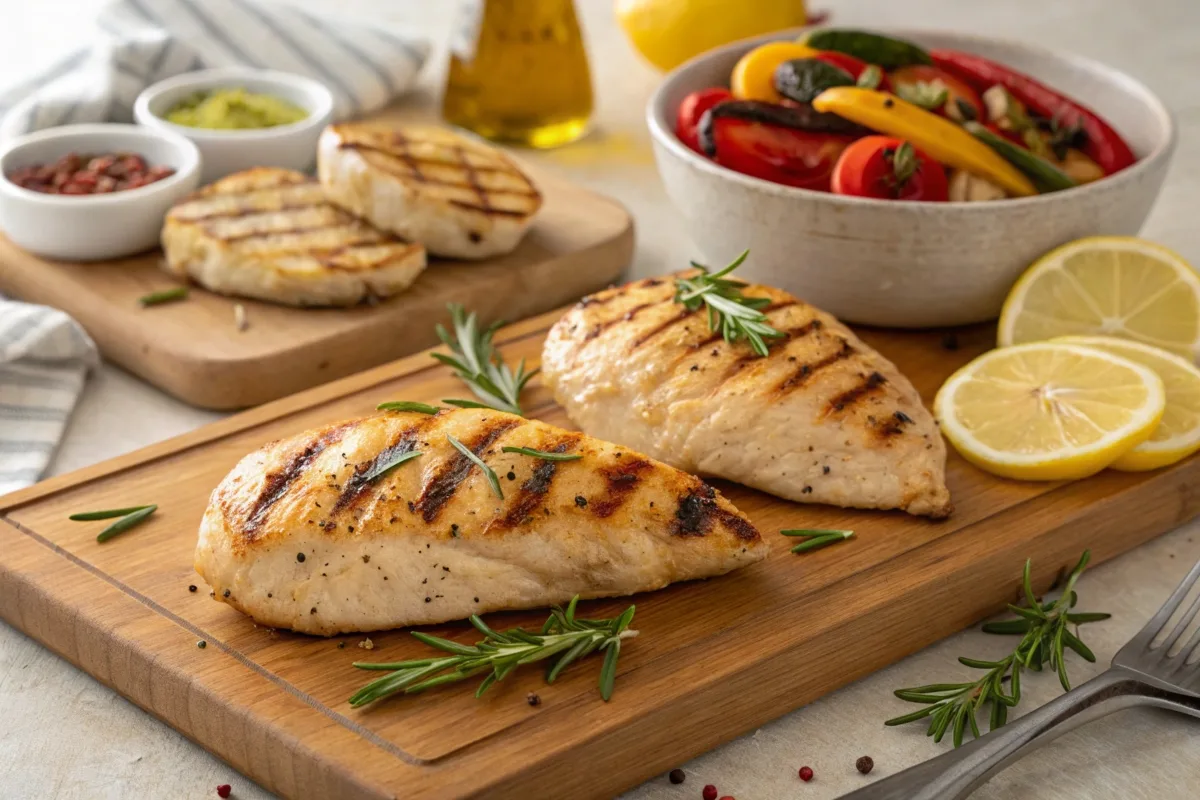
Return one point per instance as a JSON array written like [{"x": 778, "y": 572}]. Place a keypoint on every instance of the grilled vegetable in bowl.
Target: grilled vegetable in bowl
[{"x": 1006, "y": 133}]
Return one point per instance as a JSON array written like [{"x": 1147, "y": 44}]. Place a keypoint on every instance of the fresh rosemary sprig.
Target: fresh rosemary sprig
[
  {"x": 816, "y": 538},
  {"x": 164, "y": 296},
  {"x": 1045, "y": 636},
  {"x": 407, "y": 405},
  {"x": 563, "y": 638},
  {"x": 478, "y": 364},
  {"x": 379, "y": 470},
  {"x": 542, "y": 454},
  {"x": 729, "y": 311},
  {"x": 488, "y": 472}
]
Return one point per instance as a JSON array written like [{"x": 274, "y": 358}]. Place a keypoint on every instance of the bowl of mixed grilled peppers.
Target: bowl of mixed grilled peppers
[{"x": 904, "y": 178}]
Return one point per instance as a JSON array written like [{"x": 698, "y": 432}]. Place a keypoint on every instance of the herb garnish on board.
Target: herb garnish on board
[
  {"x": 736, "y": 316},
  {"x": 1045, "y": 631},
  {"x": 478, "y": 364},
  {"x": 563, "y": 640}
]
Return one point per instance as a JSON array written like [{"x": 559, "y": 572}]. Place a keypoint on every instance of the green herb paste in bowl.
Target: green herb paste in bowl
[{"x": 231, "y": 109}]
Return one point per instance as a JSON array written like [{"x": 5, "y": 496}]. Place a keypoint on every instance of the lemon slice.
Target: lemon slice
[
  {"x": 1108, "y": 285},
  {"x": 1178, "y": 435},
  {"x": 1049, "y": 411}
]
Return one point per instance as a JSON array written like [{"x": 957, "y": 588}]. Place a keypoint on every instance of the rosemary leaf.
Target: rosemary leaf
[
  {"x": 816, "y": 538},
  {"x": 542, "y": 454},
  {"x": 408, "y": 405},
  {"x": 379, "y": 470},
  {"x": 165, "y": 296},
  {"x": 87, "y": 516},
  {"x": 487, "y": 471},
  {"x": 126, "y": 522}
]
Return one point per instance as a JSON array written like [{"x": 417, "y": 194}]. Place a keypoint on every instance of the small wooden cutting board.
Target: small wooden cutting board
[
  {"x": 713, "y": 658},
  {"x": 579, "y": 242}
]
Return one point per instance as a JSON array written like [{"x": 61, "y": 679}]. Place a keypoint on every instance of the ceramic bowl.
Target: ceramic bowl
[
  {"x": 909, "y": 264},
  {"x": 291, "y": 146},
  {"x": 97, "y": 226}
]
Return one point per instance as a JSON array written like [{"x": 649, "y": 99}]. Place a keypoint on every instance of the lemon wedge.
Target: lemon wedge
[
  {"x": 1178, "y": 435},
  {"x": 1107, "y": 285},
  {"x": 1049, "y": 411}
]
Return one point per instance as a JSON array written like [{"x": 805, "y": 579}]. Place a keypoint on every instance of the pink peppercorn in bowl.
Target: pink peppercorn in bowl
[{"x": 123, "y": 218}]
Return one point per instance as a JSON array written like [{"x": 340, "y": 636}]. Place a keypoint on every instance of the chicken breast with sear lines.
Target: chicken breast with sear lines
[
  {"x": 305, "y": 534},
  {"x": 822, "y": 418}
]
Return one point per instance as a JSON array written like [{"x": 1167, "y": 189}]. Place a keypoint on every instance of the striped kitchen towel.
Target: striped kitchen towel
[
  {"x": 140, "y": 42},
  {"x": 44, "y": 358}
]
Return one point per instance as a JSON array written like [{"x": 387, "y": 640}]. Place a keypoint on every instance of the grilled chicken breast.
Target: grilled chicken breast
[
  {"x": 299, "y": 536},
  {"x": 822, "y": 419},
  {"x": 458, "y": 197},
  {"x": 270, "y": 234}
]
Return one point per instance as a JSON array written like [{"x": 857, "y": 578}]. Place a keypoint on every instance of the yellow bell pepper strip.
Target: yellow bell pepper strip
[
  {"x": 753, "y": 77},
  {"x": 936, "y": 136}
]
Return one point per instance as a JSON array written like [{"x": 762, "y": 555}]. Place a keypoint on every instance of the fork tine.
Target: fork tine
[
  {"x": 1184, "y": 621},
  {"x": 1156, "y": 623}
]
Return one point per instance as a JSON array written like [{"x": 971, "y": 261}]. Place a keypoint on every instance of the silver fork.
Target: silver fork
[{"x": 1141, "y": 674}]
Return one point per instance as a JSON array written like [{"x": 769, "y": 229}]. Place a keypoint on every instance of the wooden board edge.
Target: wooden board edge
[{"x": 276, "y": 409}]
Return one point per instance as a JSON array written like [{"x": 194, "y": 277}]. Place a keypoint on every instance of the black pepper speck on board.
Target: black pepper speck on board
[
  {"x": 300, "y": 557},
  {"x": 676, "y": 776},
  {"x": 202, "y": 644},
  {"x": 533, "y": 699},
  {"x": 312, "y": 610},
  {"x": 476, "y": 599},
  {"x": 341, "y": 645},
  {"x": 825, "y": 470},
  {"x": 192, "y": 588},
  {"x": 950, "y": 341},
  {"x": 366, "y": 559},
  {"x": 428, "y": 599},
  {"x": 270, "y": 594}
]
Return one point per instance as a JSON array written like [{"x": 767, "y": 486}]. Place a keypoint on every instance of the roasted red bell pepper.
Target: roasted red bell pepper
[{"x": 1104, "y": 145}]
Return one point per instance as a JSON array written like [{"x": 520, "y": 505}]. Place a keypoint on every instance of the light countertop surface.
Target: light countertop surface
[{"x": 64, "y": 735}]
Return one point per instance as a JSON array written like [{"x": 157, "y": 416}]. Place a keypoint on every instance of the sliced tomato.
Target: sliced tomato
[
  {"x": 692, "y": 108},
  {"x": 851, "y": 65},
  {"x": 956, "y": 89},
  {"x": 889, "y": 169},
  {"x": 775, "y": 153}
]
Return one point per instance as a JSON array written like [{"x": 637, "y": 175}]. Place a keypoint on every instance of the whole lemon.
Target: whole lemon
[{"x": 669, "y": 32}]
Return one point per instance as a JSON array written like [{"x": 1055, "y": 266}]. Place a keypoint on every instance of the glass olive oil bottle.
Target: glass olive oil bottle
[{"x": 519, "y": 72}]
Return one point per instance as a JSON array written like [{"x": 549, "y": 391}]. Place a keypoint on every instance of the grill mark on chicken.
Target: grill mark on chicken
[
  {"x": 601, "y": 327},
  {"x": 622, "y": 479},
  {"x": 242, "y": 211},
  {"x": 278, "y": 483},
  {"x": 698, "y": 511},
  {"x": 357, "y": 485},
  {"x": 806, "y": 371},
  {"x": 472, "y": 171},
  {"x": 773, "y": 345},
  {"x": 262, "y": 233},
  {"x": 662, "y": 326},
  {"x": 593, "y": 300},
  {"x": 869, "y": 384},
  {"x": 535, "y": 489},
  {"x": 445, "y": 482},
  {"x": 502, "y": 212}
]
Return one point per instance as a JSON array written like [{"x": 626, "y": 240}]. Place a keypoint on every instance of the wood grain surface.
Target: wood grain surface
[
  {"x": 713, "y": 658},
  {"x": 579, "y": 242}
]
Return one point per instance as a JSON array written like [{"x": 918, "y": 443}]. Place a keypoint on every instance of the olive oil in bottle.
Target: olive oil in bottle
[{"x": 519, "y": 72}]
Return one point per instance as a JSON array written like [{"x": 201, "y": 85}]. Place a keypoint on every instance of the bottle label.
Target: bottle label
[{"x": 466, "y": 32}]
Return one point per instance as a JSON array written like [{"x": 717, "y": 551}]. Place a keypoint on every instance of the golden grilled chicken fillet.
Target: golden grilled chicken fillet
[
  {"x": 822, "y": 419},
  {"x": 457, "y": 196},
  {"x": 298, "y": 535},
  {"x": 270, "y": 234}
]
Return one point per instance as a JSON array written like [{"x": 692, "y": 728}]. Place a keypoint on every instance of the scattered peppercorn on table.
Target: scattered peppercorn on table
[{"x": 67, "y": 736}]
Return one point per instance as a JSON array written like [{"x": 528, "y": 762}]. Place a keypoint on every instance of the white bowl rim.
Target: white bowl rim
[
  {"x": 186, "y": 148},
  {"x": 661, "y": 129},
  {"x": 318, "y": 116}
]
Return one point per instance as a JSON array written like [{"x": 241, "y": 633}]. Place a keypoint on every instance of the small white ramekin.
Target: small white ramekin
[{"x": 291, "y": 146}]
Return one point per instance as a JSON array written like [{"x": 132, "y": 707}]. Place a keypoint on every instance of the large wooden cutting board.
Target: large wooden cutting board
[
  {"x": 714, "y": 658},
  {"x": 579, "y": 242}
]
